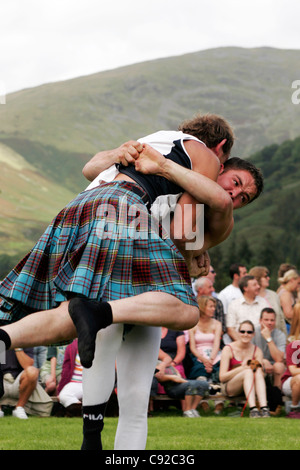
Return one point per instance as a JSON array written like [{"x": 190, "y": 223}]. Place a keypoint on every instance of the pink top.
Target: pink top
[{"x": 204, "y": 343}]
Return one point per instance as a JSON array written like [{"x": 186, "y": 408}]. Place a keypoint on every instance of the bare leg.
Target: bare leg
[
  {"x": 295, "y": 386},
  {"x": 260, "y": 387},
  {"x": 28, "y": 382},
  {"x": 147, "y": 309},
  {"x": 155, "y": 309},
  {"x": 42, "y": 328}
]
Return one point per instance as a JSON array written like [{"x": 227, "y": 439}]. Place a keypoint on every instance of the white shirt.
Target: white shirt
[
  {"x": 228, "y": 294},
  {"x": 239, "y": 310}
]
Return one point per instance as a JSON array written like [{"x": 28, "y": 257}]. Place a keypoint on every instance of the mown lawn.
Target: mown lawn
[{"x": 165, "y": 432}]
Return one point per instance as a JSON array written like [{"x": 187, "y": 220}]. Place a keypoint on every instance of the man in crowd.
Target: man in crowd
[{"x": 246, "y": 307}]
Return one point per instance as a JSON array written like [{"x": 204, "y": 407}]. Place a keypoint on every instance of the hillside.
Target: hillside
[
  {"x": 250, "y": 87},
  {"x": 48, "y": 132},
  {"x": 28, "y": 202}
]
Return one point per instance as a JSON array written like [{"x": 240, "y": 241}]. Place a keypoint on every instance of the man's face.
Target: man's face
[
  {"x": 240, "y": 185},
  {"x": 207, "y": 289},
  {"x": 268, "y": 320},
  {"x": 242, "y": 271},
  {"x": 252, "y": 288}
]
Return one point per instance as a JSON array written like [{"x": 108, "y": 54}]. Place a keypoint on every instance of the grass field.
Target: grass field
[{"x": 169, "y": 432}]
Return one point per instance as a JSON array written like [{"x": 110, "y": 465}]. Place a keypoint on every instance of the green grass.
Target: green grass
[{"x": 165, "y": 432}]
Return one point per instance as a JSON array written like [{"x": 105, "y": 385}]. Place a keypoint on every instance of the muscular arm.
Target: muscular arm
[{"x": 126, "y": 154}]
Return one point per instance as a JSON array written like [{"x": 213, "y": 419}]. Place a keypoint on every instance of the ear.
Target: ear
[
  {"x": 221, "y": 169},
  {"x": 220, "y": 146}
]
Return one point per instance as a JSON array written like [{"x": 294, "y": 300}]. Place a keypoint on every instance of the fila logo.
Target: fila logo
[{"x": 93, "y": 417}]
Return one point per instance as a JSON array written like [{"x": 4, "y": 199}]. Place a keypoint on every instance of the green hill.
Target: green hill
[
  {"x": 47, "y": 133},
  {"x": 28, "y": 202}
]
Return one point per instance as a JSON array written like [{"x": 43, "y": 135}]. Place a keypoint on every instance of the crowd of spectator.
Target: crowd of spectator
[{"x": 247, "y": 342}]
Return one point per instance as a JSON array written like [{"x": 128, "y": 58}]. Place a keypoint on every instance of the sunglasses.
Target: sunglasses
[{"x": 249, "y": 332}]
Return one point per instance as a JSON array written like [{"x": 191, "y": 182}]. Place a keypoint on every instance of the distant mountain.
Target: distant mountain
[{"x": 50, "y": 131}]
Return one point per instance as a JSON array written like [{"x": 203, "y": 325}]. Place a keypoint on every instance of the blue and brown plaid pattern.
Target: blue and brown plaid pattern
[{"x": 95, "y": 248}]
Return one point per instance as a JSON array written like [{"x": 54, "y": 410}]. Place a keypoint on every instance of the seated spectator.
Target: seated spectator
[
  {"x": 190, "y": 392},
  {"x": 172, "y": 349},
  {"x": 272, "y": 342},
  {"x": 241, "y": 371},
  {"x": 50, "y": 373},
  {"x": 287, "y": 294},
  {"x": 205, "y": 340},
  {"x": 70, "y": 386},
  {"x": 291, "y": 378},
  {"x": 21, "y": 388},
  {"x": 262, "y": 275},
  {"x": 204, "y": 286},
  {"x": 171, "y": 354}
]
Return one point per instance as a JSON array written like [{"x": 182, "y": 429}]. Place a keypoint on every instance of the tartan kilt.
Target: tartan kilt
[{"x": 103, "y": 245}]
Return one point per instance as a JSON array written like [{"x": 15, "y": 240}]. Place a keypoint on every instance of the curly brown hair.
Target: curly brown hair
[{"x": 211, "y": 129}]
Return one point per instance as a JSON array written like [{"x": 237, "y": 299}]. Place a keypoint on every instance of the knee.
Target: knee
[
  {"x": 278, "y": 368},
  {"x": 30, "y": 375},
  {"x": 249, "y": 373},
  {"x": 187, "y": 318},
  {"x": 295, "y": 382}
]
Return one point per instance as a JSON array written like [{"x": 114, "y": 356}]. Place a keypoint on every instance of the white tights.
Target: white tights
[{"x": 136, "y": 359}]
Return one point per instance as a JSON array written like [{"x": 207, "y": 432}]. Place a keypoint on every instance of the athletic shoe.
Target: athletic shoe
[
  {"x": 189, "y": 414},
  {"x": 19, "y": 412},
  {"x": 293, "y": 414},
  {"x": 265, "y": 413},
  {"x": 196, "y": 414},
  {"x": 254, "y": 413}
]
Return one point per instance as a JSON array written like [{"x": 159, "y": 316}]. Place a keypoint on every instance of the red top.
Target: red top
[
  {"x": 292, "y": 358},
  {"x": 234, "y": 362}
]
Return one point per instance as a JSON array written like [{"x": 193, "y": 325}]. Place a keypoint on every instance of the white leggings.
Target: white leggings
[{"x": 136, "y": 359}]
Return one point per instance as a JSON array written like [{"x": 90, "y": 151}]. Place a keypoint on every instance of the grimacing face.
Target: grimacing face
[{"x": 239, "y": 184}]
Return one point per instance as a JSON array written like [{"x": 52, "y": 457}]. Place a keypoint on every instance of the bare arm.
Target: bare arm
[
  {"x": 225, "y": 374},
  {"x": 286, "y": 301},
  {"x": 23, "y": 359},
  {"x": 126, "y": 154},
  {"x": 294, "y": 370}
]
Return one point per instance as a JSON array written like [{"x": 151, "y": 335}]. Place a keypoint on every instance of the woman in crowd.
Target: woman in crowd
[
  {"x": 205, "y": 340},
  {"x": 171, "y": 376},
  {"x": 287, "y": 293},
  {"x": 237, "y": 375}
]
